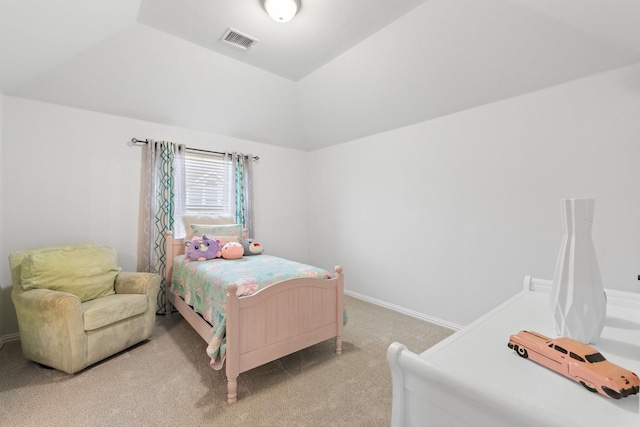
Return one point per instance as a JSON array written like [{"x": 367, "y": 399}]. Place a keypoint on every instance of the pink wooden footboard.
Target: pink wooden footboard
[{"x": 275, "y": 321}]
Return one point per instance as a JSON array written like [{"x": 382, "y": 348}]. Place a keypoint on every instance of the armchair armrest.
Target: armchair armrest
[
  {"x": 137, "y": 283},
  {"x": 141, "y": 283},
  {"x": 51, "y": 327},
  {"x": 47, "y": 302}
]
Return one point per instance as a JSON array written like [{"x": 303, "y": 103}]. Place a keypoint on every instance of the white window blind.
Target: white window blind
[{"x": 207, "y": 183}]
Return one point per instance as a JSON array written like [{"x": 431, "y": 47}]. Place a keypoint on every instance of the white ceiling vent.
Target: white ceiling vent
[{"x": 238, "y": 39}]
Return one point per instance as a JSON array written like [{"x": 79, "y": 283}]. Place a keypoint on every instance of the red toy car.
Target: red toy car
[{"x": 577, "y": 361}]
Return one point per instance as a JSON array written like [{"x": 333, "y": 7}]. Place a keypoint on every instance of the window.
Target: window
[
  {"x": 575, "y": 356},
  {"x": 207, "y": 179},
  {"x": 595, "y": 358},
  {"x": 560, "y": 349}
]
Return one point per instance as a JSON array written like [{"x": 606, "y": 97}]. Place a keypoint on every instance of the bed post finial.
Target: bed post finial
[
  {"x": 338, "y": 269},
  {"x": 232, "y": 289}
]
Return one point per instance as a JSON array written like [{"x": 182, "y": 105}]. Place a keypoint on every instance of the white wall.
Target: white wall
[
  {"x": 70, "y": 177},
  {"x": 447, "y": 216},
  {"x": 444, "y": 217},
  {"x": 8, "y": 325}
]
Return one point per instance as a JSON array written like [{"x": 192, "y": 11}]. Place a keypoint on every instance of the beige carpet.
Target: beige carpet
[{"x": 168, "y": 381}]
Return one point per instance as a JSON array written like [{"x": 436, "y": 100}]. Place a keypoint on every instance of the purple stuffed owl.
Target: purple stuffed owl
[{"x": 202, "y": 248}]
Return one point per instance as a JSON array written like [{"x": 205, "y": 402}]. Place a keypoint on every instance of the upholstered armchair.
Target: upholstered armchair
[{"x": 76, "y": 307}]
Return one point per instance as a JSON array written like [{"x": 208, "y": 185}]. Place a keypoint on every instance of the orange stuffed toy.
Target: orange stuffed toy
[{"x": 232, "y": 250}]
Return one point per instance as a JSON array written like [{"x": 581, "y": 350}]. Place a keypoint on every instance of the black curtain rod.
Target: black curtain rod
[{"x": 136, "y": 141}]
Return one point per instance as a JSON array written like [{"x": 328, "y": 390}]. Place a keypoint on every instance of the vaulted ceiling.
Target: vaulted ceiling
[{"x": 340, "y": 70}]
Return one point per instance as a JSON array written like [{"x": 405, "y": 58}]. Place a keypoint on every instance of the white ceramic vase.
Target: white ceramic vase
[{"x": 577, "y": 296}]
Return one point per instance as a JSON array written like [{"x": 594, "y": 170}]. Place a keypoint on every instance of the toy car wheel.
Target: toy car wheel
[
  {"x": 611, "y": 393},
  {"x": 522, "y": 352},
  {"x": 588, "y": 387}
]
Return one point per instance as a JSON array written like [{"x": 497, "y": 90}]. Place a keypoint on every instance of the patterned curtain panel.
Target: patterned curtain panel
[
  {"x": 163, "y": 202},
  {"x": 242, "y": 190}
]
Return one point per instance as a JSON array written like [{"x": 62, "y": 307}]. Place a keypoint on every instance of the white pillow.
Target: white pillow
[{"x": 219, "y": 219}]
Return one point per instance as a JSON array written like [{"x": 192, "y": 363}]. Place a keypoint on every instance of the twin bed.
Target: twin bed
[{"x": 253, "y": 310}]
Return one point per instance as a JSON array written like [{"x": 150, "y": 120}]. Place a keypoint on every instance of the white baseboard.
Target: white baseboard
[
  {"x": 9, "y": 337},
  {"x": 406, "y": 311}
]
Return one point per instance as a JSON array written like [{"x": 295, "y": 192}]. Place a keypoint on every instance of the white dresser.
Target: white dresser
[{"x": 473, "y": 379}]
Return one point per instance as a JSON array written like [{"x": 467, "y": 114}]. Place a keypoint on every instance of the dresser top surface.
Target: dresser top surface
[{"x": 479, "y": 354}]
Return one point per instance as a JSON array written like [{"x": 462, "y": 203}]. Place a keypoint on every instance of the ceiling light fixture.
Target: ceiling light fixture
[{"x": 281, "y": 10}]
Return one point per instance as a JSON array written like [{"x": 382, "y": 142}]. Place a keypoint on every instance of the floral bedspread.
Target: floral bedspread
[{"x": 203, "y": 284}]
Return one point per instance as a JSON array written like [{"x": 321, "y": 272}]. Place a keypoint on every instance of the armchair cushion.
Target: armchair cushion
[
  {"x": 85, "y": 270},
  {"x": 105, "y": 311}
]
